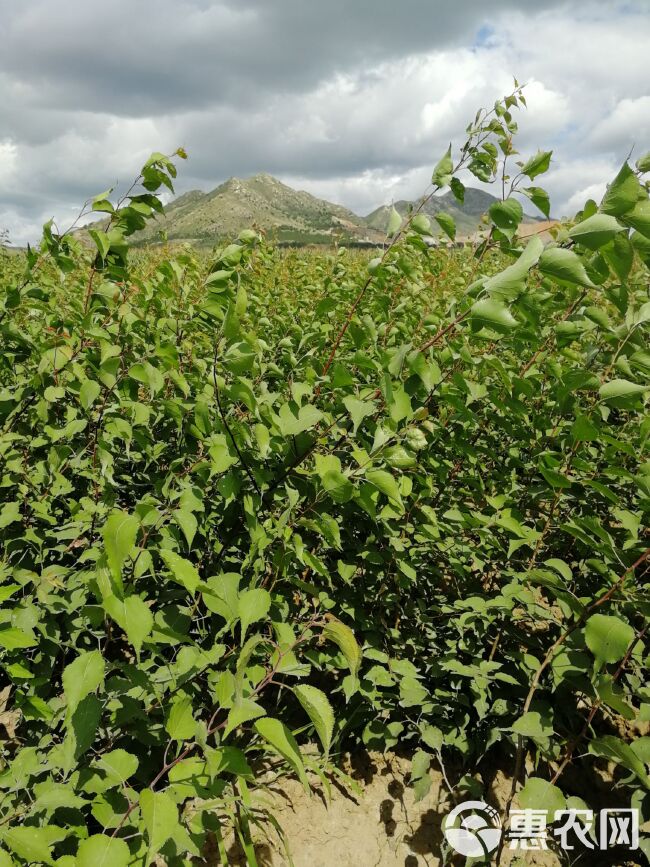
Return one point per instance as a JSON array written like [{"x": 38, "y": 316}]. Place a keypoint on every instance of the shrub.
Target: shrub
[{"x": 269, "y": 497}]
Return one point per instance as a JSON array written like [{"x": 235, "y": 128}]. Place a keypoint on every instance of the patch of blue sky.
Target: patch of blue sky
[{"x": 485, "y": 36}]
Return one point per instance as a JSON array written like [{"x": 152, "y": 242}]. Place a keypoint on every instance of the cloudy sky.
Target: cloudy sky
[{"x": 353, "y": 101}]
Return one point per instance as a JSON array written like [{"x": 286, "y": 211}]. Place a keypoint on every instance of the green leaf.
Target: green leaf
[
  {"x": 641, "y": 748},
  {"x": 510, "y": 282},
  {"x": 7, "y": 591},
  {"x": 616, "y": 750},
  {"x": 399, "y": 403},
  {"x": 104, "y": 206},
  {"x": 492, "y": 314},
  {"x": 81, "y": 729},
  {"x": 561, "y": 567},
  {"x": 442, "y": 173},
  {"x": 343, "y": 636},
  {"x": 9, "y": 514},
  {"x": 639, "y": 217},
  {"x": 537, "y": 164},
  {"x": 119, "y": 534},
  {"x": 89, "y": 392},
  {"x": 243, "y": 710},
  {"x": 189, "y": 776},
  {"x": 228, "y": 760},
  {"x": 421, "y": 224},
  {"x": 188, "y": 524},
  {"x": 319, "y": 710},
  {"x": 621, "y": 390},
  {"x": 420, "y": 776},
  {"x": 81, "y": 677},
  {"x": 100, "y": 198},
  {"x": 531, "y": 725},
  {"x": 433, "y": 737},
  {"x": 12, "y": 638},
  {"x": 160, "y": 818},
  {"x": 412, "y": 693},
  {"x": 358, "y": 410},
  {"x": 101, "y": 239},
  {"x": 180, "y": 725},
  {"x": 103, "y": 851},
  {"x": 119, "y": 765},
  {"x": 564, "y": 265},
  {"x": 33, "y": 844},
  {"x": 641, "y": 245},
  {"x": 394, "y": 222},
  {"x": 608, "y": 637},
  {"x": 182, "y": 570},
  {"x": 231, "y": 324},
  {"x": 613, "y": 696},
  {"x": 222, "y": 595},
  {"x": 643, "y": 163},
  {"x": 263, "y": 438},
  {"x": 132, "y": 615},
  {"x": 148, "y": 375},
  {"x": 540, "y": 198},
  {"x": 596, "y": 231},
  {"x": 333, "y": 480},
  {"x": 622, "y": 194},
  {"x": 385, "y": 483},
  {"x": 584, "y": 429},
  {"x": 539, "y": 794},
  {"x": 280, "y": 738},
  {"x": 447, "y": 224},
  {"x": 458, "y": 189},
  {"x": 291, "y": 425},
  {"x": 220, "y": 457},
  {"x": 245, "y": 655},
  {"x": 253, "y": 606},
  {"x": 506, "y": 215}
]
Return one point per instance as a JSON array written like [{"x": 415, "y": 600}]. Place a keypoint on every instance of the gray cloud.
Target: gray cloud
[
  {"x": 155, "y": 56},
  {"x": 353, "y": 101}
]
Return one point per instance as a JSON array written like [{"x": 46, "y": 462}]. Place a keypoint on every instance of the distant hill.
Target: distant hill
[
  {"x": 293, "y": 216},
  {"x": 467, "y": 216},
  {"x": 285, "y": 214}
]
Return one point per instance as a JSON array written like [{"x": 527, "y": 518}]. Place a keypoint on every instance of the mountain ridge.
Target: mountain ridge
[
  {"x": 466, "y": 215},
  {"x": 287, "y": 215}
]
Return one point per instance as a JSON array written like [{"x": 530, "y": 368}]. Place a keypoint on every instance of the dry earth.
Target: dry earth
[
  {"x": 380, "y": 827},
  {"x": 383, "y": 826}
]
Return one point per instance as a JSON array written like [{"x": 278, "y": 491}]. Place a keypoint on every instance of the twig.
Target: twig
[
  {"x": 592, "y": 713},
  {"x": 548, "y": 658},
  {"x": 242, "y": 461}
]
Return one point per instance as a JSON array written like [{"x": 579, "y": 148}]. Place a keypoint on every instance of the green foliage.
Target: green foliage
[
  {"x": 260, "y": 497},
  {"x": 539, "y": 794}
]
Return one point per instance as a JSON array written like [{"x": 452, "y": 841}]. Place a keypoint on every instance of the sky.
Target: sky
[{"x": 352, "y": 101}]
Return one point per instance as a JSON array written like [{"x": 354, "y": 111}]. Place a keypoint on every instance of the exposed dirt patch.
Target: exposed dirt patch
[{"x": 381, "y": 827}]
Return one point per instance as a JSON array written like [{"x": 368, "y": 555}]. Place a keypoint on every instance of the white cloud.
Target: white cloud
[
  {"x": 8, "y": 159},
  {"x": 630, "y": 118},
  {"x": 357, "y": 112}
]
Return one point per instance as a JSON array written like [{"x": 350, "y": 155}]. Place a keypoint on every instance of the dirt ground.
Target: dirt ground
[{"x": 381, "y": 827}]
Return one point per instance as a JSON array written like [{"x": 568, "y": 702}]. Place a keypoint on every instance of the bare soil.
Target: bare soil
[{"x": 381, "y": 827}]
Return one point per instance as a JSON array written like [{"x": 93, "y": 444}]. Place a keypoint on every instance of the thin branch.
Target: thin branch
[
  {"x": 242, "y": 460},
  {"x": 548, "y": 659}
]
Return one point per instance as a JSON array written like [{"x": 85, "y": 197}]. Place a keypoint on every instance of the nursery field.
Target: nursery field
[{"x": 260, "y": 507}]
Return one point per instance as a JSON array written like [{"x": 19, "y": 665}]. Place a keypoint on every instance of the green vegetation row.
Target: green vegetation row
[{"x": 262, "y": 499}]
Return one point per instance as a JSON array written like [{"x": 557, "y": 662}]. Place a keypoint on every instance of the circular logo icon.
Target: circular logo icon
[{"x": 473, "y": 829}]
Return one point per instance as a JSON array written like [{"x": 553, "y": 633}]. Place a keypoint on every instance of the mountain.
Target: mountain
[
  {"x": 467, "y": 216},
  {"x": 285, "y": 214},
  {"x": 293, "y": 216}
]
